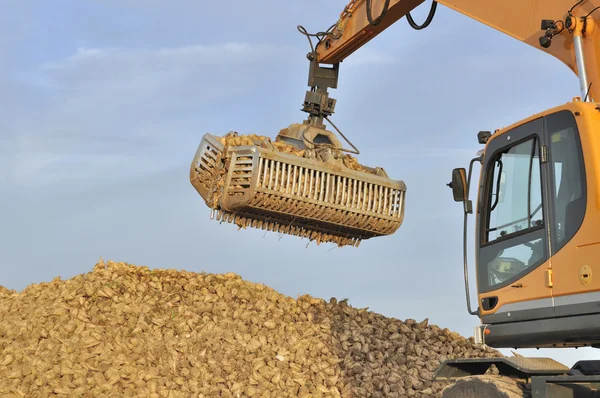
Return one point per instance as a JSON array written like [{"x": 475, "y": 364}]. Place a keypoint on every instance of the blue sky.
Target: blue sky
[{"x": 105, "y": 103}]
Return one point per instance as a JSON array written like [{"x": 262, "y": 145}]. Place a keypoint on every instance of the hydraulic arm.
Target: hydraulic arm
[{"x": 565, "y": 29}]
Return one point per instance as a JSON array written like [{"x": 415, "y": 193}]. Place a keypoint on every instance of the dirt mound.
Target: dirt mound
[
  {"x": 386, "y": 357},
  {"x": 123, "y": 330}
]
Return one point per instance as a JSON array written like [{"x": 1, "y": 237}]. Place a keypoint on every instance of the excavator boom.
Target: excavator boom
[{"x": 538, "y": 23}]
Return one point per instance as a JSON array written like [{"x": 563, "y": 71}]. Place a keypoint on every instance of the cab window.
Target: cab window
[
  {"x": 567, "y": 177},
  {"x": 514, "y": 240},
  {"x": 515, "y": 199}
]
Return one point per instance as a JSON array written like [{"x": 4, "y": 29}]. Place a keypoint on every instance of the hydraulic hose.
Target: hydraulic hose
[
  {"x": 425, "y": 24},
  {"x": 377, "y": 21}
]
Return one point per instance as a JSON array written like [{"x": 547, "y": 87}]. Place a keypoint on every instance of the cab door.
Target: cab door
[
  {"x": 575, "y": 244},
  {"x": 513, "y": 250}
]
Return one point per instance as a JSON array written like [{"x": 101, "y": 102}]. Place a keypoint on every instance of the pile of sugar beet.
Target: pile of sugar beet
[{"x": 125, "y": 330}]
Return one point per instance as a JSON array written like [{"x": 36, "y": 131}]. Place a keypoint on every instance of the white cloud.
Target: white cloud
[{"x": 108, "y": 111}]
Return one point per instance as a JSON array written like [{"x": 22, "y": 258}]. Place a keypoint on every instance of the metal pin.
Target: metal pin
[
  {"x": 322, "y": 191},
  {"x": 365, "y": 196},
  {"x": 385, "y": 200},
  {"x": 260, "y": 166},
  {"x": 265, "y": 167},
  {"x": 287, "y": 183},
  {"x": 306, "y": 178},
  {"x": 361, "y": 195},
  {"x": 294, "y": 180},
  {"x": 400, "y": 201},
  {"x": 271, "y": 165},
  {"x": 276, "y": 180},
  {"x": 284, "y": 168}
]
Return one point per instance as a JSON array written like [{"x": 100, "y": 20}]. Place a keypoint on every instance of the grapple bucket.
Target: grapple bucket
[{"x": 253, "y": 182}]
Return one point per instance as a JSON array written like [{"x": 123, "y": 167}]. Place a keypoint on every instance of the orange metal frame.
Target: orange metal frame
[{"x": 520, "y": 19}]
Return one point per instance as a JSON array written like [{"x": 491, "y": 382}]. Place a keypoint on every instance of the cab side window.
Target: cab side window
[
  {"x": 567, "y": 177},
  {"x": 515, "y": 203}
]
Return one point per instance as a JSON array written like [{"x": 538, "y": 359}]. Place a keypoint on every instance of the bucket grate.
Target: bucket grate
[{"x": 259, "y": 187}]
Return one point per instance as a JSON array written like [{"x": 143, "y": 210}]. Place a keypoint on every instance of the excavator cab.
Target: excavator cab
[
  {"x": 536, "y": 243},
  {"x": 536, "y": 230}
]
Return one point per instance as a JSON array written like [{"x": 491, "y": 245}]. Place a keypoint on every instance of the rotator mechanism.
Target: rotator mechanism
[
  {"x": 317, "y": 102},
  {"x": 305, "y": 183}
]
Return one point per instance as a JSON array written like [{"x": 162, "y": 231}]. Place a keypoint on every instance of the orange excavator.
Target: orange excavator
[{"x": 537, "y": 213}]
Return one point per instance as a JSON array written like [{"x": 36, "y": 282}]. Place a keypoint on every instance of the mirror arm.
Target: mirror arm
[{"x": 468, "y": 206}]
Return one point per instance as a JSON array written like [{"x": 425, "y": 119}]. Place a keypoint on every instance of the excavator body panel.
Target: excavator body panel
[{"x": 537, "y": 231}]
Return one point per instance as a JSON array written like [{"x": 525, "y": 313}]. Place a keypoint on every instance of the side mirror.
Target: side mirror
[{"x": 459, "y": 185}]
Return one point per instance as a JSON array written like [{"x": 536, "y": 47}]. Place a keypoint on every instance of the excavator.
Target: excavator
[{"x": 537, "y": 213}]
